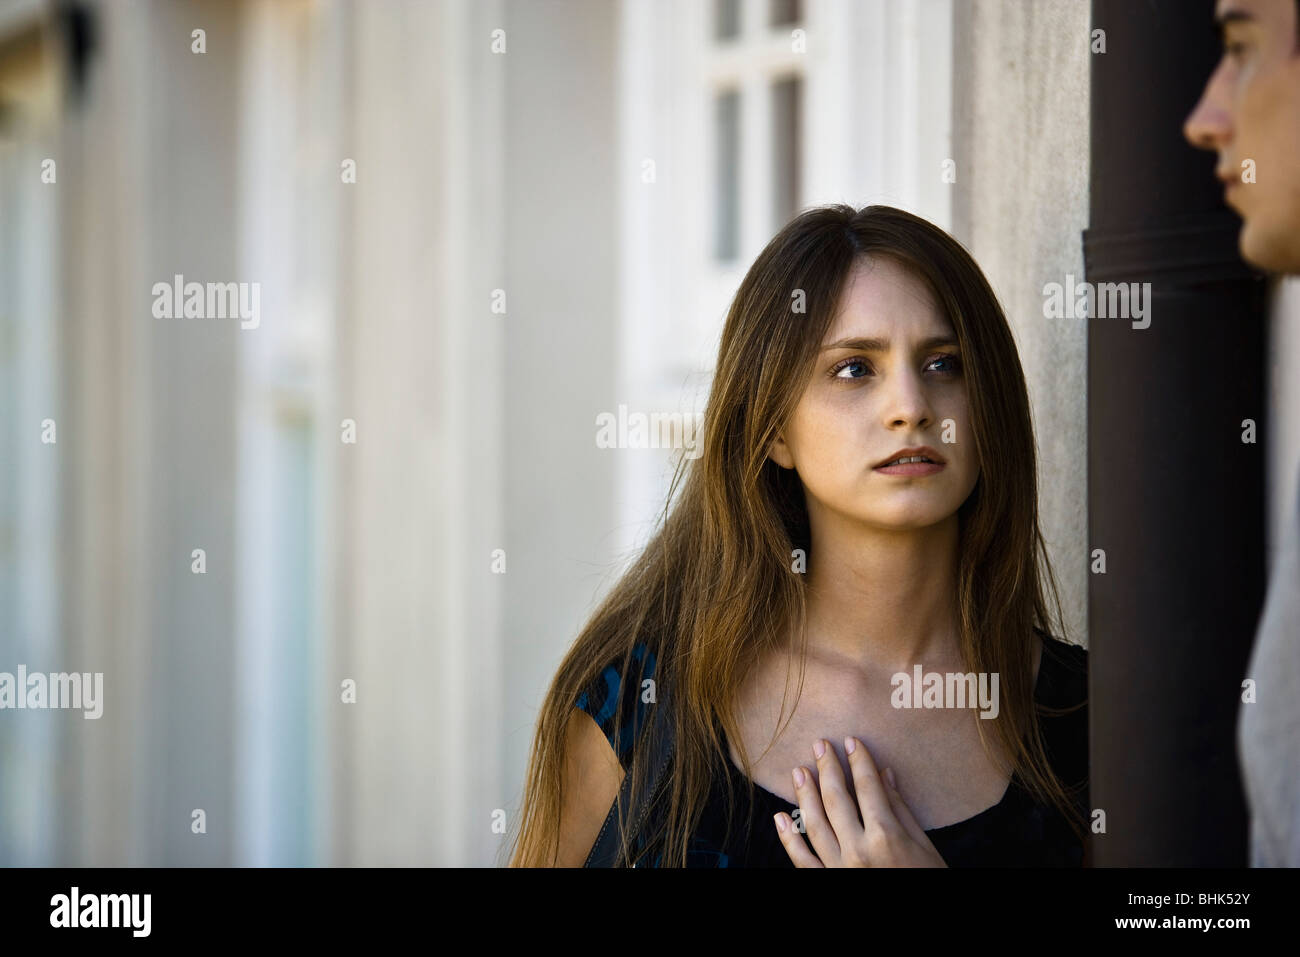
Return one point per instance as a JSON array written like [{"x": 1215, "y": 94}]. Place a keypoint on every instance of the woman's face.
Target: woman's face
[{"x": 897, "y": 385}]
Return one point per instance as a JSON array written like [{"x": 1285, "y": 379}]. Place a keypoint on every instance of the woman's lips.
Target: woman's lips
[{"x": 911, "y": 468}]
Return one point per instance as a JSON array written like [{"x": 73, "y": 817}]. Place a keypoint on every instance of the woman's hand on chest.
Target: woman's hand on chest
[{"x": 863, "y": 823}]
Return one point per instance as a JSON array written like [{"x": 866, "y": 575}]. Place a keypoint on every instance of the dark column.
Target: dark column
[{"x": 1176, "y": 499}]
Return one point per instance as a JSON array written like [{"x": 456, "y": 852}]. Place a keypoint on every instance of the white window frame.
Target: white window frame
[{"x": 857, "y": 145}]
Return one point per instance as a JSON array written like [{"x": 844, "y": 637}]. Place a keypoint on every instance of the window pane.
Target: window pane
[
  {"x": 727, "y": 139},
  {"x": 726, "y": 19},
  {"x": 289, "y": 778},
  {"x": 785, "y": 11},
  {"x": 787, "y": 98}
]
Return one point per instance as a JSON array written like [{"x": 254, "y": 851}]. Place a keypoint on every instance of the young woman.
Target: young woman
[{"x": 864, "y": 513}]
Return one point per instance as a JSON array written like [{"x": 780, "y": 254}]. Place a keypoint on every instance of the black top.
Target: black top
[{"x": 1015, "y": 832}]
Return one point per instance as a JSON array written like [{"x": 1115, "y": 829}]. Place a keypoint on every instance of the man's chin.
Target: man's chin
[{"x": 1269, "y": 250}]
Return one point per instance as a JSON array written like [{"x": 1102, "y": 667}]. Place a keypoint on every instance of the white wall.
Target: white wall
[
  {"x": 477, "y": 172},
  {"x": 1020, "y": 204},
  {"x": 558, "y": 354}
]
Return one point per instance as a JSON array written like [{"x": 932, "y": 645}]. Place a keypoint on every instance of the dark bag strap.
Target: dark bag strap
[{"x": 659, "y": 741}]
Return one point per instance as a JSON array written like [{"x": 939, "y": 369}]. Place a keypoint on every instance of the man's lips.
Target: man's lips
[{"x": 1229, "y": 178}]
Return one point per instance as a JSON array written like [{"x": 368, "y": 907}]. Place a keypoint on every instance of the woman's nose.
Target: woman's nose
[{"x": 909, "y": 405}]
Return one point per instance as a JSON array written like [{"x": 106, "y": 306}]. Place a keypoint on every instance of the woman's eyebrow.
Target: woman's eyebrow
[{"x": 882, "y": 345}]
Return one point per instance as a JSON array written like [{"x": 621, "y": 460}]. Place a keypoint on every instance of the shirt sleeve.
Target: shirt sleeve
[
  {"x": 1268, "y": 726},
  {"x": 1064, "y": 684},
  {"x": 612, "y": 692}
]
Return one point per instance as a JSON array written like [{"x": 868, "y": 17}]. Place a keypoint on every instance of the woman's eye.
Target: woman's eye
[
  {"x": 838, "y": 369},
  {"x": 950, "y": 364}
]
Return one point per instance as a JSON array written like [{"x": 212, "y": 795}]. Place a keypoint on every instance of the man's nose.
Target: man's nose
[{"x": 1208, "y": 125}]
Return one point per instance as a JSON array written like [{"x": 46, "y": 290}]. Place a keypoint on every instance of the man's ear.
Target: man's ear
[{"x": 779, "y": 452}]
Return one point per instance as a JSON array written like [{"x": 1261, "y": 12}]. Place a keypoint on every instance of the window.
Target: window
[
  {"x": 727, "y": 134},
  {"x": 787, "y": 96},
  {"x": 754, "y": 71},
  {"x": 726, "y": 18},
  {"x": 785, "y": 11}
]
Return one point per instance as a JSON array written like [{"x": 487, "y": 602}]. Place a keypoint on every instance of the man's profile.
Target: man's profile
[{"x": 1249, "y": 114}]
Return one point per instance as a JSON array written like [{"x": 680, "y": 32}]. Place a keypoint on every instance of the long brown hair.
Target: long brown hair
[{"x": 714, "y": 589}]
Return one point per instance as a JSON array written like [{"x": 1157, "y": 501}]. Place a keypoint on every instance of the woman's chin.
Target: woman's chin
[{"x": 908, "y": 520}]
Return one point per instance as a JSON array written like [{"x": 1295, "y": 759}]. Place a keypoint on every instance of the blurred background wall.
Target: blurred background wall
[
  {"x": 1020, "y": 118},
  {"x": 476, "y": 225},
  {"x": 546, "y": 222}
]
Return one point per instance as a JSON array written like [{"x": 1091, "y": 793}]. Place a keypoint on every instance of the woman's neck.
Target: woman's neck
[{"x": 880, "y": 599}]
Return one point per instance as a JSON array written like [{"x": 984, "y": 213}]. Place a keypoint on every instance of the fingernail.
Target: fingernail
[
  {"x": 850, "y": 745},
  {"x": 819, "y": 747},
  {"x": 780, "y": 822},
  {"x": 798, "y": 777}
]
